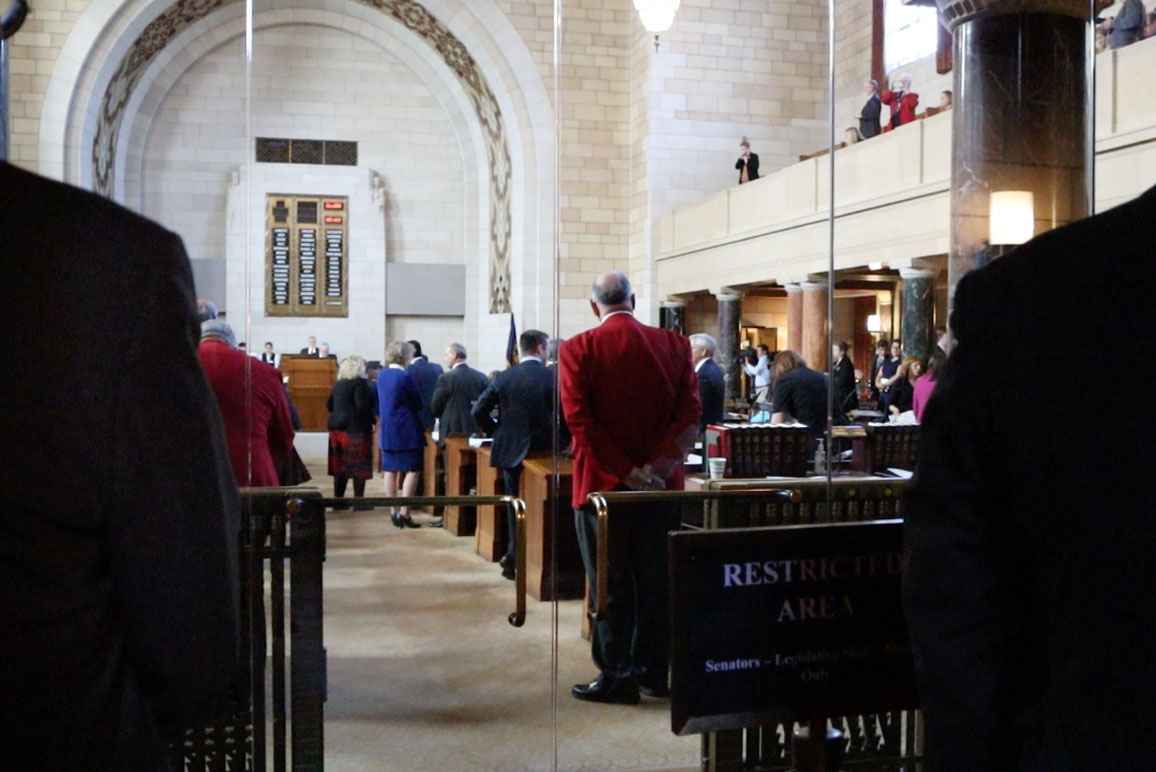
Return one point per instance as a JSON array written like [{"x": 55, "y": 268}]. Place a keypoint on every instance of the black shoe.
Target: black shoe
[
  {"x": 508, "y": 573},
  {"x": 613, "y": 691},
  {"x": 435, "y": 523},
  {"x": 395, "y": 518},
  {"x": 655, "y": 691},
  {"x": 507, "y": 561},
  {"x": 407, "y": 522}
]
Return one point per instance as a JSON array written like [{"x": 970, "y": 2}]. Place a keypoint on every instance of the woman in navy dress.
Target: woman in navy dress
[{"x": 402, "y": 440}]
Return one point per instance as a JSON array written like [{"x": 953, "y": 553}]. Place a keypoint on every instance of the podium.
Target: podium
[{"x": 310, "y": 382}]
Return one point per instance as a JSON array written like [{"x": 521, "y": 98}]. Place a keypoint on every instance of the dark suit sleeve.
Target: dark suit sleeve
[
  {"x": 441, "y": 395},
  {"x": 173, "y": 511},
  {"x": 753, "y": 166},
  {"x": 687, "y": 408},
  {"x": 484, "y": 407},
  {"x": 952, "y": 591}
]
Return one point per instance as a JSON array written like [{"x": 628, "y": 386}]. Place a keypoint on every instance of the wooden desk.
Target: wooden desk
[
  {"x": 433, "y": 472},
  {"x": 490, "y": 538},
  {"x": 461, "y": 477},
  {"x": 310, "y": 382},
  {"x": 549, "y": 516}
]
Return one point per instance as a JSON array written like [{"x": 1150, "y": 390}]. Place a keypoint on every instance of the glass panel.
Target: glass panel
[{"x": 719, "y": 237}]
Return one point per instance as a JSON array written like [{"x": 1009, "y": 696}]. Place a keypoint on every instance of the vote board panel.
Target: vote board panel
[{"x": 306, "y": 255}]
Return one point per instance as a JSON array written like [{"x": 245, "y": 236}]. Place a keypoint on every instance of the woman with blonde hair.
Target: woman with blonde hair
[
  {"x": 402, "y": 439},
  {"x": 352, "y": 407}
]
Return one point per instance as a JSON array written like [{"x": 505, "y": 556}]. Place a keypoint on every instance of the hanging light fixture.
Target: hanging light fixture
[{"x": 656, "y": 15}]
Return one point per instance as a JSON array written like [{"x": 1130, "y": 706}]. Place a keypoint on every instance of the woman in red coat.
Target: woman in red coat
[
  {"x": 259, "y": 429},
  {"x": 902, "y": 101}
]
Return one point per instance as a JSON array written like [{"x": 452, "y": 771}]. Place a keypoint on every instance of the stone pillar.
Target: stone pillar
[
  {"x": 918, "y": 311},
  {"x": 815, "y": 349},
  {"x": 672, "y": 315},
  {"x": 795, "y": 318},
  {"x": 730, "y": 312},
  {"x": 1022, "y": 116}
]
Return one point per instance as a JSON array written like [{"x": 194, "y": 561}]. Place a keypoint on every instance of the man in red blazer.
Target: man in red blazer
[
  {"x": 630, "y": 397},
  {"x": 254, "y": 406}
]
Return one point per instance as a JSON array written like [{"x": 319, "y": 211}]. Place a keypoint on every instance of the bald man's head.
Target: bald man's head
[{"x": 611, "y": 292}]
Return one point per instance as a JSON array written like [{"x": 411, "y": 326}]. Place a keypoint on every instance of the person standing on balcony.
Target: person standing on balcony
[
  {"x": 748, "y": 163},
  {"x": 902, "y": 101},
  {"x": 869, "y": 115},
  {"x": 1128, "y": 26}
]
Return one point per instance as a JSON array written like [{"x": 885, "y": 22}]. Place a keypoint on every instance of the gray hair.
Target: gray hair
[
  {"x": 398, "y": 353},
  {"x": 458, "y": 350},
  {"x": 206, "y": 310},
  {"x": 217, "y": 329},
  {"x": 350, "y": 368},
  {"x": 612, "y": 289},
  {"x": 705, "y": 342}
]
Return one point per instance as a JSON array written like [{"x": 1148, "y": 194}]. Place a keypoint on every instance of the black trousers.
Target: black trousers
[
  {"x": 633, "y": 638},
  {"x": 511, "y": 481},
  {"x": 341, "y": 481}
]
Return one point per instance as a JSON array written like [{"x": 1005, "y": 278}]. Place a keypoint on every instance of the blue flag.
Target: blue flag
[{"x": 512, "y": 344}]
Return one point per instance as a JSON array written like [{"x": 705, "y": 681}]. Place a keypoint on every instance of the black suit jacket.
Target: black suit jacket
[
  {"x": 352, "y": 406},
  {"x": 119, "y": 523},
  {"x": 712, "y": 394},
  {"x": 869, "y": 117},
  {"x": 425, "y": 376},
  {"x": 752, "y": 165},
  {"x": 454, "y": 397},
  {"x": 844, "y": 385},
  {"x": 1032, "y": 542},
  {"x": 305, "y": 352},
  {"x": 524, "y": 396}
]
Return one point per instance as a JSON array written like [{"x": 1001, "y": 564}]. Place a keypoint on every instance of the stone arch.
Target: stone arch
[{"x": 474, "y": 40}]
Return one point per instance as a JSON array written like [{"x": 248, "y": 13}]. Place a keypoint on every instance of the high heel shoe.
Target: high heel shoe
[{"x": 395, "y": 518}]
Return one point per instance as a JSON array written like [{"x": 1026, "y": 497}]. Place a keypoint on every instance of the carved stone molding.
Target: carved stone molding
[
  {"x": 413, "y": 16},
  {"x": 956, "y": 12}
]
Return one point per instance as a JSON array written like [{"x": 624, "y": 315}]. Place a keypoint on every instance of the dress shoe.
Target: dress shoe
[
  {"x": 507, "y": 561},
  {"x": 657, "y": 691},
  {"x": 613, "y": 691},
  {"x": 508, "y": 573},
  {"x": 395, "y": 518}
]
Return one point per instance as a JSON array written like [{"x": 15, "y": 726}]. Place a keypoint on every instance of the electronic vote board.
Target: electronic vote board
[{"x": 306, "y": 255}]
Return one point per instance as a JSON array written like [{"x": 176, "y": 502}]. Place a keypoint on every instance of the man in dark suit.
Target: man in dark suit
[
  {"x": 456, "y": 392},
  {"x": 872, "y": 108},
  {"x": 524, "y": 397},
  {"x": 311, "y": 350},
  {"x": 425, "y": 375},
  {"x": 1031, "y": 539},
  {"x": 631, "y": 401},
  {"x": 711, "y": 387},
  {"x": 119, "y": 522}
]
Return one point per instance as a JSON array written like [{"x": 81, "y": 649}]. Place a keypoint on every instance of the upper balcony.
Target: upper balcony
[{"x": 892, "y": 196}]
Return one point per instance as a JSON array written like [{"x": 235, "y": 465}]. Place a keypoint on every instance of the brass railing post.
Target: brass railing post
[{"x": 518, "y": 618}]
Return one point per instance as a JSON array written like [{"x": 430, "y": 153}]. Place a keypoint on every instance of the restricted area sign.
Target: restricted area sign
[{"x": 787, "y": 624}]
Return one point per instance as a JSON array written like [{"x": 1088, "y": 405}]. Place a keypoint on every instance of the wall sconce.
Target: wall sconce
[
  {"x": 1011, "y": 217},
  {"x": 874, "y": 324}
]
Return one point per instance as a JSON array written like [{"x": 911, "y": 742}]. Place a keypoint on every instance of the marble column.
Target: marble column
[
  {"x": 918, "y": 311},
  {"x": 795, "y": 318},
  {"x": 672, "y": 315},
  {"x": 815, "y": 349},
  {"x": 730, "y": 312},
  {"x": 1022, "y": 116}
]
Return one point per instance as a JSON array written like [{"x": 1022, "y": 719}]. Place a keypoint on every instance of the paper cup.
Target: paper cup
[{"x": 717, "y": 467}]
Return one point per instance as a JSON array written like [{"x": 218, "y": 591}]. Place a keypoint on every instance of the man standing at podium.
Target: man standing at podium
[
  {"x": 311, "y": 350},
  {"x": 630, "y": 398}
]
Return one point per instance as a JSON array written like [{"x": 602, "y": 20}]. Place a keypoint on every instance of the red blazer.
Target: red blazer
[
  {"x": 628, "y": 392},
  {"x": 269, "y": 431},
  {"x": 905, "y": 106}
]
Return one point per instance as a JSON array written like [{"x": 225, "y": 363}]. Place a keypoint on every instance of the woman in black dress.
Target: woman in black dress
[
  {"x": 903, "y": 389},
  {"x": 352, "y": 406}
]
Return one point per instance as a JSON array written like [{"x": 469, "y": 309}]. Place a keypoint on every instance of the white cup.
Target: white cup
[{"x": 717, "y": 467}]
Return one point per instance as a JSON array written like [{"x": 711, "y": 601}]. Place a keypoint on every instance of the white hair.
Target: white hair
[
  {"x": 458, "y": 350},
  {"x": 705, "y": 342},
  {"x": 351, "y": 367}
]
